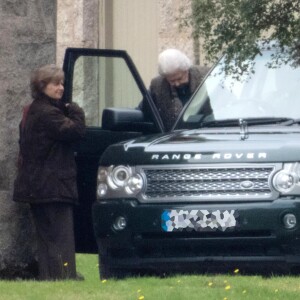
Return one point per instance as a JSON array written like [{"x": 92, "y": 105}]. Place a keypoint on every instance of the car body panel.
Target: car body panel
[
  {"x": 199, "y": 146},
  {"x": 258, "y": 237}
]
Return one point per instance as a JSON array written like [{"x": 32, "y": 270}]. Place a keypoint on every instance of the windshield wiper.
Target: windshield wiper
[
  {"x": 220, "y": 123},
  {"x": 290, "y": 122},
  {"x": 249, "y": 121}
]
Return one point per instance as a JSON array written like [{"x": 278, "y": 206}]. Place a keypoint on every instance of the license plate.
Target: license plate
[{"x": 198, "y": 220}]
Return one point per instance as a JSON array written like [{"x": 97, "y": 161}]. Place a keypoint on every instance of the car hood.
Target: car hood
[{"x": 226, "y": 145}]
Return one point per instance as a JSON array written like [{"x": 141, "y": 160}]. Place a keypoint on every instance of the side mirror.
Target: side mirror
[{"x": 125, "y": 119}]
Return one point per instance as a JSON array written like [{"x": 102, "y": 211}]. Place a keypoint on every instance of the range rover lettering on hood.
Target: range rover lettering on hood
[{"x": 213, "y": 156}]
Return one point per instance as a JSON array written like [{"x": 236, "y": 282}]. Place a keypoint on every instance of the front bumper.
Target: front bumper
[{"x": 258, "y": 236}]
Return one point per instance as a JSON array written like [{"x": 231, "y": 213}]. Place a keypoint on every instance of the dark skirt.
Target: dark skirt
[{"x": 55, "y": 240}]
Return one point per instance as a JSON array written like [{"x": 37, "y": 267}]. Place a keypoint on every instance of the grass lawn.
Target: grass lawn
[{"x": 206, "y": 287}]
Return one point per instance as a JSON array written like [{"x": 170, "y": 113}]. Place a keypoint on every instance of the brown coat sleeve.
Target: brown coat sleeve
[{"x": 67, "y": 126}]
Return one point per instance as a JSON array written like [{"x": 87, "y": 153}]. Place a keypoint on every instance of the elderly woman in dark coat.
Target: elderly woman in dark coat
[
  {"x": 47, "y": 172},
  {"x": 177, "y": 81}
]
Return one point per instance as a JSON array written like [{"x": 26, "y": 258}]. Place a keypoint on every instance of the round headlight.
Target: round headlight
[
  {"x": 135, "y": 184},
  {"x": 283, "y": 181},
  {"x": 120, "y": 175}
]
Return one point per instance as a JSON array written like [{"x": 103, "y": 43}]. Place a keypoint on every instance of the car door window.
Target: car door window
[{"x": 100, "y": 82}]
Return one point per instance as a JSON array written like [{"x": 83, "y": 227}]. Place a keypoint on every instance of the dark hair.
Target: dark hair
[{"x": 42, "y": 76}]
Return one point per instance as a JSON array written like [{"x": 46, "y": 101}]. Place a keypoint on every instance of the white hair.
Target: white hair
[{"x": 171, "y": 61}]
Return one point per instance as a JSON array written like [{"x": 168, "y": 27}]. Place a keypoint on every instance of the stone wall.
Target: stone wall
[
  {"x": 169, "y": 33},
  {"x": 27, "y": 40},
  {"x": 172, "y": 35},
  {"x": 77, "y": 25}
]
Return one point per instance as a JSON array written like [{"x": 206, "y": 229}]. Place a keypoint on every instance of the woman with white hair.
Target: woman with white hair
[{"x": 177, "y": 81}]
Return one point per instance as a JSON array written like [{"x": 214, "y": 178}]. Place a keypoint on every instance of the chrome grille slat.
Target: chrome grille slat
[
  {"x": 203, "y": 186},
  {"x": 179, "y": 183},
  {"x": 204, "y": 174}
]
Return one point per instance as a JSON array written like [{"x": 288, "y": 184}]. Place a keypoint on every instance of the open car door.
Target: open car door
[{"x": 106, "y": 84}]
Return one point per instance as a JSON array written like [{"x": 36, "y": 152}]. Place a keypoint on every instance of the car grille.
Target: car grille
[{"x": 209, "y": 183}]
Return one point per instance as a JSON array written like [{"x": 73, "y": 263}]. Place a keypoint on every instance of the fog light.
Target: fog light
[
  {"x": 120, "y": 223},
  {"x": 289, "y": 221}
]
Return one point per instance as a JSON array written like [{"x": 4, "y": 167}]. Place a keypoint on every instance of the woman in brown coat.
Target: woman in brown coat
[{"x": 47, "y": 172}]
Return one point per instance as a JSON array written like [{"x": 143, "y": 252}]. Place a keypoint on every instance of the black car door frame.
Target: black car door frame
[{"x": 89, "y": 150}]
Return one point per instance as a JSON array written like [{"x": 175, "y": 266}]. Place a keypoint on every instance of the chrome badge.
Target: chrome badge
[{"x": 247, "y": 184}]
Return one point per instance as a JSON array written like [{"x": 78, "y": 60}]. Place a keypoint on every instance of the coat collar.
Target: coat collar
[{"x": 46, "y": 99}]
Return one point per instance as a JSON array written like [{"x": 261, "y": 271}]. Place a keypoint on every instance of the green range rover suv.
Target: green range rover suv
[{"x": 219, "y": 189}]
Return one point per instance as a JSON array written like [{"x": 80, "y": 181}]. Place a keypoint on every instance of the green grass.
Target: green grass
[{"x": 208, "y": 287}]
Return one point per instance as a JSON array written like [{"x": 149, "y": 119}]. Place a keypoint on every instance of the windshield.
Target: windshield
[{"x": 268, "y": 92}]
